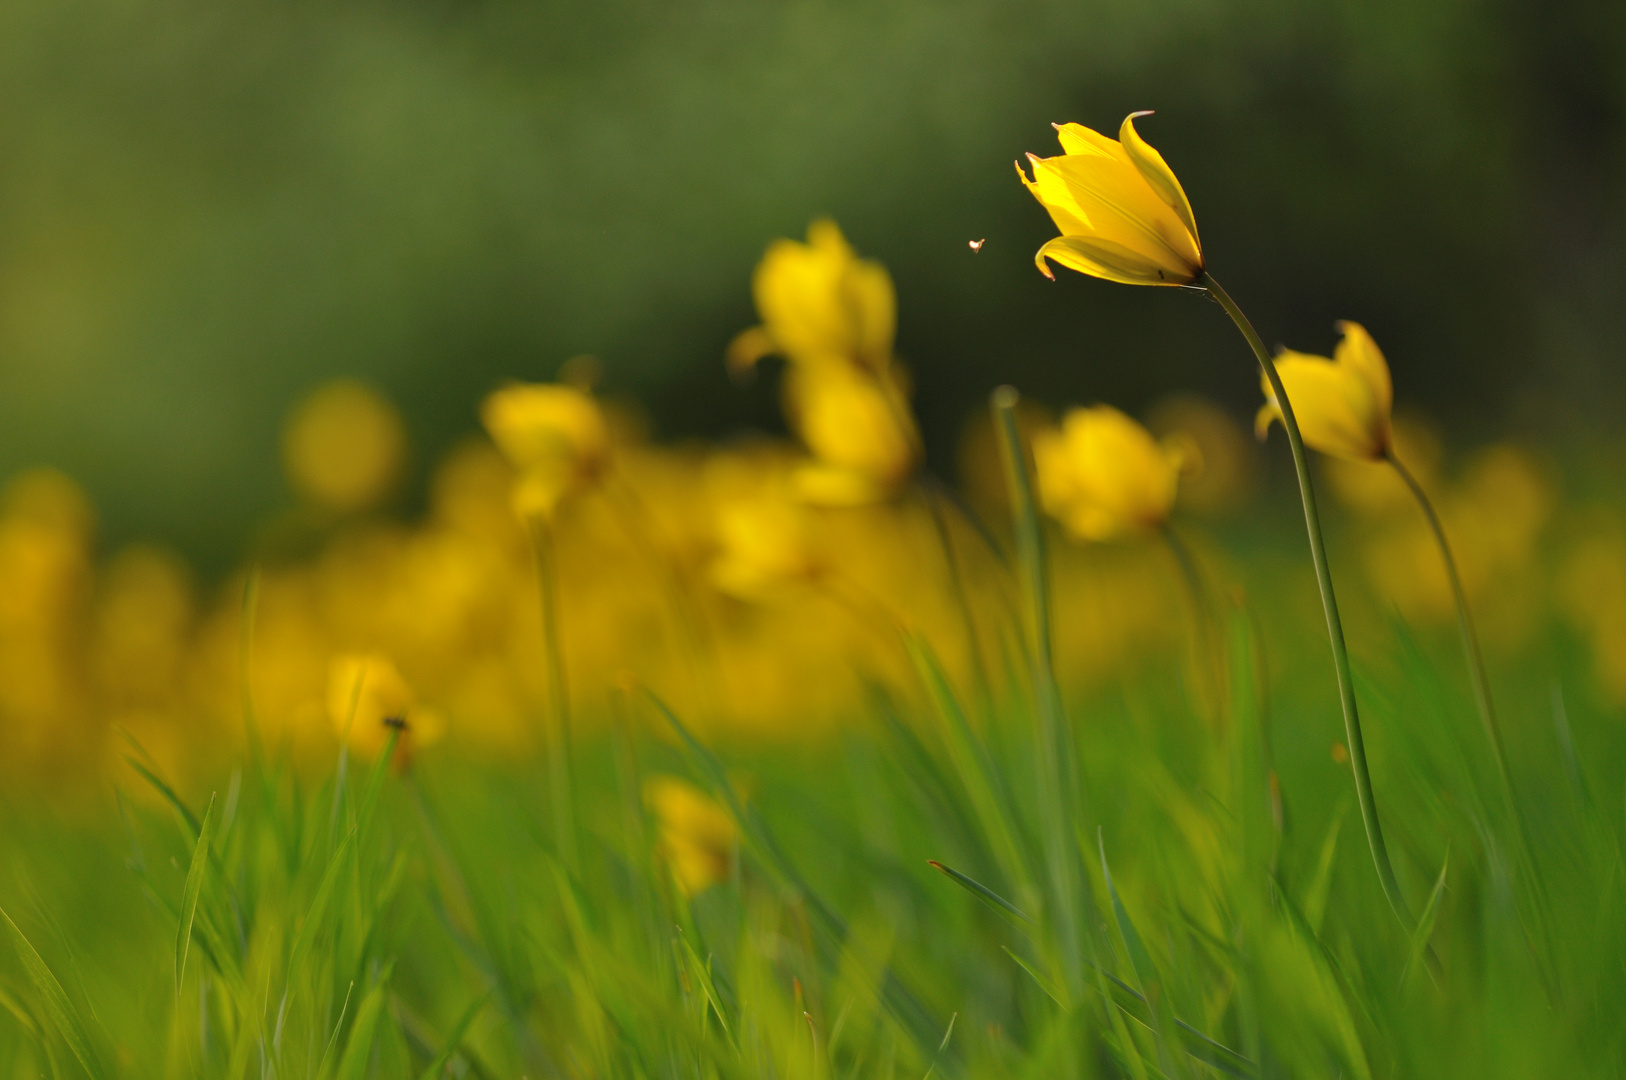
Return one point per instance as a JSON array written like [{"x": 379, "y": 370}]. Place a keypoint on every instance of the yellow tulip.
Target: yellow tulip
[
  {"x": 819, "y": 303},
  {"x": 859, "y": 429},
  {"x": 1103, "y": 476},
  {"x": 1122, "y": 214},
  {"x": 697, "y": 836},
  {"x": 367, "y": 697},
  {"x": 832, "y": 316},
  {"x": 554, "y": 435},
  {"x": 1342, "y": 404}
]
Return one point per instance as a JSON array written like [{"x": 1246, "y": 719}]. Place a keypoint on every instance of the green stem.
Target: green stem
[
  {"x": 981, "y": 683},
  {"x": 558, "y": 749},
  {"x": 1058, "y": 781},
  {"x": 1329, "y": 603},
  {"x": 1465, "y": 625}
]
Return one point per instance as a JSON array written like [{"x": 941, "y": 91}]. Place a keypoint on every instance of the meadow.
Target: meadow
[{"x": 790, "y": 758}]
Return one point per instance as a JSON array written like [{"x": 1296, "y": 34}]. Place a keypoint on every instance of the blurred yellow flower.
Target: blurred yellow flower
[
  {"x": 344, "y": 446},
  {"x": 1103, "y": 476},
  {"x": 1221, "y": 474},
  {"x": 366, "y": 697},
  {"x": 832, "y": 316},
  {"x": 554, "y": 435},
  {"x": 819, "y": 303},
  {"x": 762, "y": 548},
  {"x": 46, "y": 530},
  {"x": 1498, "y": 511},
  {"x": 142, "y": 630},
  {"x": 1374, "y": 488},
  {"x": 1122, "y": 214},
  {"x": 1342, "y": 404},
  {"x": 697, "y": 836},
  {"x": 860, "y": 431}
]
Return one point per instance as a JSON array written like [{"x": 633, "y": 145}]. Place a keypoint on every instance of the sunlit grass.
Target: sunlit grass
[{"x": 762, "y": 761}]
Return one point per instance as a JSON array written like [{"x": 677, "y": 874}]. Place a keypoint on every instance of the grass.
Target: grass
[{"x": 1144, "y": 880}]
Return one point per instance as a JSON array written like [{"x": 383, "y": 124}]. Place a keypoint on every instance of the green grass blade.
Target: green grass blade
[
  {"x": 454, "y": 1039},
  {"x": 1425, "y": 924},
  {"x": 163, "y": 789},
  {"x": 333, "y": 1039},
  {"x": 189, "y": 896},
  {"x": 359, "y": 1048},
  {"x": 1060, "y": 790},
  {"x": 982, "y": 892},
  {"x": 64, "y": 1014},
  {"x": 1055, "y": 991},
  {"x": 898, "y": 998},
  {"x": 702, "y": 975},
  {"x": 1315, "y": 894},
  {"x": 942, "y": 1046},
  {"x": 375, "y": 780},
  {"x": 980, "y": 780},
  {"x": 1140, "y": 959},
  {"x": 318, "y": 908}
]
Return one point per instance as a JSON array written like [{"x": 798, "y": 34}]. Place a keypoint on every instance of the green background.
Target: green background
[{"x": 206, "y": 208}]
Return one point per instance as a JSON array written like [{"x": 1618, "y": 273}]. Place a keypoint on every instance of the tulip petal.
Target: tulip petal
[
  {"x": 1158, "y": 176},
  {"x": 1359, "y": 353},
  {"x": 1055, "y": 196},
  {"x": 1078, "y": 139},
  {"x": 1104, "y": 259},
  {"x": 873, "y": 306},
  {"x": 1268, "y": 414},
  {"x": 748, "y": 347},
  {"x": 1123, "y": 209},
  {"x": 1336, "y": 411}
]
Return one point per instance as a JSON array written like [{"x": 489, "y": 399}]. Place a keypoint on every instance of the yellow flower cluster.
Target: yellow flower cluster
[
  {"x": 832, "y": 316},
  {"x": 758, "y": 586}
]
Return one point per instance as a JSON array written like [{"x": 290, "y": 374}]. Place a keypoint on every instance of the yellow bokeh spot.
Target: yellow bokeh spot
[{"x": 344, "y": 446}]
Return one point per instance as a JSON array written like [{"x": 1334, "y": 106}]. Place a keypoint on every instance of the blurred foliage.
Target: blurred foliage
[{"x": 205, "y": 209}]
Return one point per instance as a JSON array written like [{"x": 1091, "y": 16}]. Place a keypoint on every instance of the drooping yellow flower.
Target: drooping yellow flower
[
  {"x": 819, "y": 303},
  {"x": 1103, "y": 476},
  {"x": 367, "y": 697},
  {"x": 696, "y": 834},
  {"x": 554, "y": 435},
  {"x": 858, "y": 426},
  {"x": 343, "y": 446},
  {"x": 1342, "y": 404},
  {"x": 832, "y": 316},
  {"x": 1122, "y": 214}
]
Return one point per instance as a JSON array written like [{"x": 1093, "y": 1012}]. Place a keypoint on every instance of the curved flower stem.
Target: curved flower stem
[
  {"x": 982, "y": 685},
  {"x": 1470, "y": 639},
  {"x": 1329, "y": 602}
]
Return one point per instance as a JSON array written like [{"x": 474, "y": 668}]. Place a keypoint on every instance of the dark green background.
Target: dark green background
[{"x": 207, "y": 207}]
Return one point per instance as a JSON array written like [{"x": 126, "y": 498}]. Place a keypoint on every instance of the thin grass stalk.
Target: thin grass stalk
[
  {"x": 982, "y": 685},
  {"x": 561, "y": 795},
  {"x": 1329, "y": 604},
  {"x": 1058, "y": 782}
]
